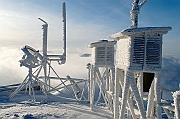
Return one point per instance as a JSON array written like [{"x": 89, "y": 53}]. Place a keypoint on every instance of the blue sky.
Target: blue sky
[{"x": 87, "y": 21}]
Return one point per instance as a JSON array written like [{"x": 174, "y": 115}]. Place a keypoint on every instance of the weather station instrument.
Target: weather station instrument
[
  {"x": 44, "y": 71},
  {"x": 102, "y": 72},
  {"x": 139, "y": 52},
  {"x": 127, "y": 78},
  {"x": 33, "y": 59}
]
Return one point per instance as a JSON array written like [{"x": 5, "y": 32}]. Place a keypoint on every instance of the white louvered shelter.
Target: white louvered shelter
[
  {"x": 140, "y": 48},
  {"x": 102, "y": 72},
  {"x": 103, "y": 52}
]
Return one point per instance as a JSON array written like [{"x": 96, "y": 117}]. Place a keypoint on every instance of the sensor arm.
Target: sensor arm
[
  {"x": 142, "y": 3},
  {"x": 42, "y": 20}
]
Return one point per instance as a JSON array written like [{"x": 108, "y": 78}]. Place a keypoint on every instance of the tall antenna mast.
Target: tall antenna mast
[{"x": 64, "y": 31}]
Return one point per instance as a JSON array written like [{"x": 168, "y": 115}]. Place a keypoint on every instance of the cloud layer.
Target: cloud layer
[
  {"x": 75, "y": 66},
  {"x": 11, "y": 72}
]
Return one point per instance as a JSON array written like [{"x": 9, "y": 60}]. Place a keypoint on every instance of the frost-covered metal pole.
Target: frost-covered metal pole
[
  {"x": 92, "y": 88},
  {"x": 89, "y": 71},
  {"x": 64, "y": 31},
  {"x": 45, "y": 28},
  {"x": 30, "y": 81},
  {"x": 157, "y": 95},
  {"x": 116, "y": 95},
  {"x": 135, "y": 11},
  {"x": 140, "y": 84},
  {"x": 150, "y": 105}
]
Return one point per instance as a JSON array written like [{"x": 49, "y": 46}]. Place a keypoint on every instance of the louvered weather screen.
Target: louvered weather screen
[
  {"x": 140, "y": 49},
  {"x": 153, "y": 52},
  {"x": 100, "y": 54},
  {"x": 103, "y": 52},
  {"x": 151, "y": 48},
  {"x": 104, "y": 55},
  {"x": 138, "y": 56}
]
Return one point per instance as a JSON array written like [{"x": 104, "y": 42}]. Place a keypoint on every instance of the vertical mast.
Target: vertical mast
[
  {"x": 45, "y": 28},
  {"x": 135, "y": 11},
  {"x": 64, "y": 30}
]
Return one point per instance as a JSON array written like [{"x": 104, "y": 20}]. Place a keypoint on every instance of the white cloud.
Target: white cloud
[{"x": 11, "y": 72}]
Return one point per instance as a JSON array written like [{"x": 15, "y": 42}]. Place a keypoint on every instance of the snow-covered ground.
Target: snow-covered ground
[{"x": 50, "y": 107}]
